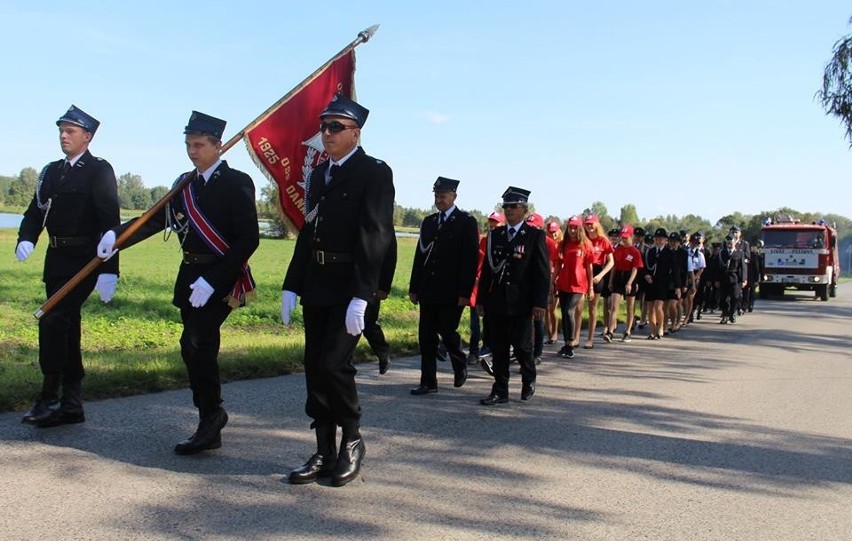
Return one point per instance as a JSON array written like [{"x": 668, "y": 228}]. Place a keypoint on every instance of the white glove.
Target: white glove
[
  {"x": 201, "y": 292},
  {"x": 105, "y": 246},
  {"x": 106, "y": 286},
  {"x": 24, "y": 249},
  {"x": 355, "y": 316},
  {"x": 288, "y": 304}
]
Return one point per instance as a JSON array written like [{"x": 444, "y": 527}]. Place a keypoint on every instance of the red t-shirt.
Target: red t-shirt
[
  {"x": 572, "y": 277},
  {"x": 552, "y": 252},
  {"x": 601, "y": 247},
  {"x": 627, "y": 258},
  {"x": 483, "y": 242}
]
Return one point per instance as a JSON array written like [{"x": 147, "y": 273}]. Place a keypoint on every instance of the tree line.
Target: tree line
[{"x": 17, "y": 191}]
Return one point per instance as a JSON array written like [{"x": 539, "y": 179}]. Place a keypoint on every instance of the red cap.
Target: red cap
[
  {"x": 553, "y": 227},
  {"x": 535, "y": 220},
  {"x": 496, "y": 217},
  {"x": 626, "y": 231},
  {"x": 592, "y": 219},
  {"x": 575, "y": 220}
]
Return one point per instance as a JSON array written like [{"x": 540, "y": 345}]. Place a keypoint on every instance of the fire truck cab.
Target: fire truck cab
[{"x": 800, "y": 256}]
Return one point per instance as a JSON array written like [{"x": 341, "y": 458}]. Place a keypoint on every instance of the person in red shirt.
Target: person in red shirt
[
  {"x": 551, "y": 318},
  {"x": 601, "y": 265},
  {"x": 573, "y": 281},
  {"x": 627, "y": 260}
]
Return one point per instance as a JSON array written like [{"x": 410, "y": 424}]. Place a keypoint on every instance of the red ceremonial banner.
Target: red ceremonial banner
[{"x": 287, "y": 145}]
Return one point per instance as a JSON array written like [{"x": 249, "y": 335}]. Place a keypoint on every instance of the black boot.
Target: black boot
[
  {"x": 47, "y": 406},
  {"x": 352, "y": 451},
  {"x": 207, "y": 436},
  {"x": 70, "y": 409},
  {"x": 323, "y": 463}
]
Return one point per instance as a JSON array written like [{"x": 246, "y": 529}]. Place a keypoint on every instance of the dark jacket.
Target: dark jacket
[
  {"x": 445, "y": 259},
  {"x": 84, "y": 206},
  {"x": 515, "y": 274},
  {"x": 227, "y": 201},
  {"x": 666, "y": 268},
  {"x": 732, "y": 267},
  {"x": 388, "y": 267},
  {"x": 351, "y": 220}
]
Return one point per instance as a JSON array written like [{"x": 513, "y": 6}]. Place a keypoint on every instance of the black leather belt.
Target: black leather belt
[
  {"x": 59, "y": 242},
  {"x": 324, "y": 258},
  {"x": 194, "y": 259}
]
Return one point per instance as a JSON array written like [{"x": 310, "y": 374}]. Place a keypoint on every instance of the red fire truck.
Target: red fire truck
[{"x": 801, "y": 256}]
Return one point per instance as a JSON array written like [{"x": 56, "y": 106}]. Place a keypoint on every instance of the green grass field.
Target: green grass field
[{"x": 130, "y": 345}]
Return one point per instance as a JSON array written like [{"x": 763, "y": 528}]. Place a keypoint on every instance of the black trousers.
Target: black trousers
[
  {"x": 329, "y": 372},
  {"x": 373, "y": 331},
  {"x": 199, "y": 347},
  {"x": 568, "y": 302},
  {"x": 516, "y": 332},
  {"x": 731, "y": 294},
  {"x": 435, "y": 320},
  {"x": 59, "y": 331}
]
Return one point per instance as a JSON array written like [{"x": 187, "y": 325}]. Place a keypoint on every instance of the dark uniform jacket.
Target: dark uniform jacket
[
  {"x": 666, "y": 268},
  {"x": 388, "y": 267},
  {"x": 227, "y": 201},
  {"x": 732, "y": 266},
  {"x": 84, "y": 206},
  {"x": 347, "y": 231},
  {"x": 445, "y": 259},
  {"x": 515, "y": 275}
]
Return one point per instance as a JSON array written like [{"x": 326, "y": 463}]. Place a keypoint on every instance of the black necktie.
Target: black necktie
[
  {"x": 65, "y": 170},
  {"x": 441, "y": 220},
  {"x": 511, "y": 233},
  {"x": 333, "y": 171},
  {"x": 199, "y": 183}
]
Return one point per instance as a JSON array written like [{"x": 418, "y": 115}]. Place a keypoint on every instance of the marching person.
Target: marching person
[
  {"x": 513, "y": 291},
  {"x": 336, "y": 268},
  {"x": 623, "y": 281},
  {"x": 536, "y": 220},
  {"x": 601, "y": 265},
  {"x": 216, "y": 220},
  {"x": 442, "y": 278},
  {"x": 372, "y": 330},
  {"x": 573, "y": 281},
  {"x": 76, "y": 200},
  {"x": 733, "y": 274},
  {"x": 478, "y": 331},
  {"x": 551, "y": 316}
]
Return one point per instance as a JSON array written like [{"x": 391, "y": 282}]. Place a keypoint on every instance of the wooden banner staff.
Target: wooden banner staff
[{"x": 60, "y": 294}]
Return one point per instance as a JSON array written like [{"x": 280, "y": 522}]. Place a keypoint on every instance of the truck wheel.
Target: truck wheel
[
  {"x": 832, "y": 290},
  {"x": 763, "y": 291},
  {"x": 822, "y": 291}
]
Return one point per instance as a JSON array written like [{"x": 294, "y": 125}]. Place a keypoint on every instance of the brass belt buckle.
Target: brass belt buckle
[{"x": 320, "y": 257}]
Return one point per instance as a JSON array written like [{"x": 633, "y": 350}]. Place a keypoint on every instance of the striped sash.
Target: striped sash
[{"x": 245, "y": 284}]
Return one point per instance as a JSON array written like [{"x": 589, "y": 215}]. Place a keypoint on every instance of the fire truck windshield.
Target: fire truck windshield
[{"x": 801, "y": 239}]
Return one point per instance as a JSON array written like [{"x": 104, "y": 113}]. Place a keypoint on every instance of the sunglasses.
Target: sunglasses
[
  {"x": 335, "y": 127},
  {"x": 512, "y": 206}
]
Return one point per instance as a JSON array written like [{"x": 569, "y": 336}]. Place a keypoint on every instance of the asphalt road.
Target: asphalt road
[{"x": 720, "y": 432}]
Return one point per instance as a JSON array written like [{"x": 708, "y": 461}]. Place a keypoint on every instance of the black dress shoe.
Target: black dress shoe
[
  {"x": 348, "y": 462},
  {"x": 528, "y": 390},
  {"x": 459, "y": 377},
  {"x": 61, "y": 417},
  {"x": 208, "y": 435},
  {"x": 316, "y": 466},
  {"x": 422, "y": 389},
  {"x": 384, "y": 364},
  {"x": 487, "y": 365},
  {"x": 493, "y": 399},
  {"x": 42, "y": 411}
]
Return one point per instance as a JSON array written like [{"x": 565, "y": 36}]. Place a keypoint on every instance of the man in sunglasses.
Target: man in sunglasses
[
  {"x": 441, "y": 283},
  {"x": 336, "y": 268},
  {"x": 513, "y": 290}
]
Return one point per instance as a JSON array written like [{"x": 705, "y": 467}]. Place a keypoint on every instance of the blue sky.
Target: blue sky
[{"x": 677, "y": 107}]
